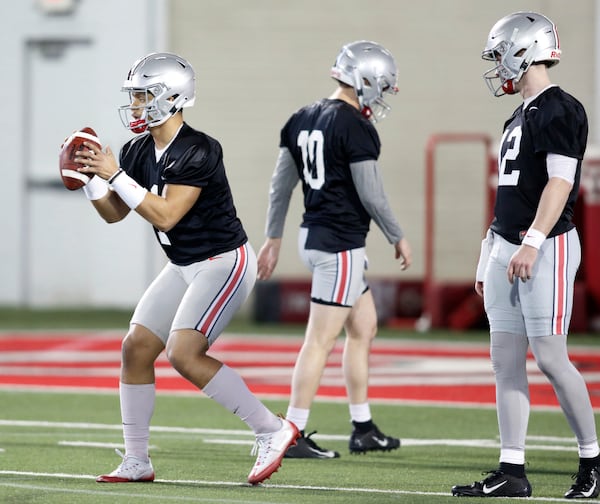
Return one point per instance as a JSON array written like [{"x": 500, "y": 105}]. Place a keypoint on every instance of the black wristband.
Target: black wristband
[{"x": 115, "y": 175}]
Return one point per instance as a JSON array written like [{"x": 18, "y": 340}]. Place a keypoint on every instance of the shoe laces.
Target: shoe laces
[
  {"x": 375, "y": 432},
  {"x": 261, "y": 445},
  {"x": 128, "y": 461},
  {"x": 492, "y": 474},
  {"x": 123, "y": 457}
]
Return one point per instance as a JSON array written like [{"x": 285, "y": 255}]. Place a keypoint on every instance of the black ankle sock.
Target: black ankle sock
[
  {"x": 516, "y": 470},
  {"x": 363, "y": 426},
  {"x": 588, "y": 463}
]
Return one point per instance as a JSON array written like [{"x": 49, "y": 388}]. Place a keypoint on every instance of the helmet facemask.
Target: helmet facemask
[
  {"x": 378, "y": 109},
  {"x": 370, "y": 96},
  {"x": 510, "y": 67},
  {"x": 155, "y": 109},
  {"x": 516, "y": 42},
  {"x": 159, "y": 85}
]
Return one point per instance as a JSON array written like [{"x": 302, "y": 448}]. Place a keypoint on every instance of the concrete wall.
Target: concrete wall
[{"x": 256, "y": 61}]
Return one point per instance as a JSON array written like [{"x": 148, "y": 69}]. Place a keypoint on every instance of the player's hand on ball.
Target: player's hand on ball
[{"x": 94, "y": 161}]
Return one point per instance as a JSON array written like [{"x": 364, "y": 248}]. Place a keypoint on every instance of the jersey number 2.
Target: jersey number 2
[
  {"x": 311, "y": 145},
  {"x": 509, "y": 177}
]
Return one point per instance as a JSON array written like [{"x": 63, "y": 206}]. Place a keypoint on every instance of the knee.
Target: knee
[
  {"x": 502, "y": 366},
  {"x": 551, "y": 366},
  {"x": 139, "y": 349},
  {"x": 552, "y": 361},
  {"x": 318, "y": 346},
  {"x": 176, "y": 356},
  {"x": 371, "y": 331},
  {"x": 507, "y": 363},
  {"x": 183, "y": 356},
  {"x": 363, "y": 331}
]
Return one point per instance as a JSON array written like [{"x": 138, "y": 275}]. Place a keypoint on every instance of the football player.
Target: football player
[
  {"x": 531, "y": 253},
  {"x": 332, "y": 147},
  {"x": 173, "y": 176}
]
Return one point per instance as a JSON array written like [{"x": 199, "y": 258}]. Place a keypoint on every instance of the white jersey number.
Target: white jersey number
[
  {"x": 162, "y": 236},
  {"x": 512, "y": 178},
  {"x": 311, "y": 145}
]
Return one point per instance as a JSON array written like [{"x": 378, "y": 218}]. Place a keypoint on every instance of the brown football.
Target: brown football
[{"x": 72, "y": 179}]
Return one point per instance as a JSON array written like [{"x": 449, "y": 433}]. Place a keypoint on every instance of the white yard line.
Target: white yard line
[
  {"x": 353, "y": 490},
  {"x": 236, "y": 436}
]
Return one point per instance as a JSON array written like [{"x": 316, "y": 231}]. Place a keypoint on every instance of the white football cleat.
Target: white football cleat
[
  {"x": 270, "y": 449},
  {"x": 131, "y": 470}
]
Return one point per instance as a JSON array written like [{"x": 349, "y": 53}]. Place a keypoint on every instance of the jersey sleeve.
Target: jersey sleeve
[
  {"x": 284, "y": 135},
  {"x": 361, "y": 140},
  {"x": 370, "y": 189},
  {"x": 560, "y": 129},
  {"x": 284, "y": 180},
  {"x": 122, "y": 157}
]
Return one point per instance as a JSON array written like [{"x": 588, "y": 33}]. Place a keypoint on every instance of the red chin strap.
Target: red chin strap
[
  {"x": 508, "y": 87},
  {"x": 366, "y": 112},
  {"x": 138, "y": 126}
]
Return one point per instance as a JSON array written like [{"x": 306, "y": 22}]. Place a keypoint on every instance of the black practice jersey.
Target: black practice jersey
[
  {"x": 324, "y": 138},
  {"x": 194, "y": 159},
  {"x": 554, "y": 122}
]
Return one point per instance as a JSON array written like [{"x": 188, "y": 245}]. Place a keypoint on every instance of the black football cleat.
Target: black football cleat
[
  {"x": 497, "y": 484},
  {"x": 305, "y": 447},
  {"x": 586, "y": 484},
  {"x": 373, "y": 440}
]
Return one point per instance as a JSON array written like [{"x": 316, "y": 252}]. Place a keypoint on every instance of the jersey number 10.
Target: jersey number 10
[{"x": 311, "y": 145}]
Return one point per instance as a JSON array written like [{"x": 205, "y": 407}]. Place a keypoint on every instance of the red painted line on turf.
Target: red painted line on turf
[{"x": 400, "y": 371}]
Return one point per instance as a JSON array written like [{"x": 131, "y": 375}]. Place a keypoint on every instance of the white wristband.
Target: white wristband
[
  {"x": 129, "y": 190},
  {"x": 95, "y": 189},
  {"x": 534, "y": 238}
]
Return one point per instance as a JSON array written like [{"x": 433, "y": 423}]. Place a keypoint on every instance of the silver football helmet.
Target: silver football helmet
[
  {"x": 516, "y": 42},
  {"x": 159, "y": 86},
  {"x": 371, "y": 70}
]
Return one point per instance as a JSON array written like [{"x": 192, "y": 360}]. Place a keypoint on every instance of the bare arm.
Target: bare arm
[
  {"x": 163, "y": 212},
  {"x": 552, "y": 202}
]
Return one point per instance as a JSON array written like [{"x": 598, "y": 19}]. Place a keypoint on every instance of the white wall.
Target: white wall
[{"x": 55, "y": 250}]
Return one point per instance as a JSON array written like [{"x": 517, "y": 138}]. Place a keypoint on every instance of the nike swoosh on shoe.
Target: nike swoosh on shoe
[
  {"x": 590, "y": 492},
  {"x": 383, "y": 443},
  {"x": 488, "y": 490}
]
